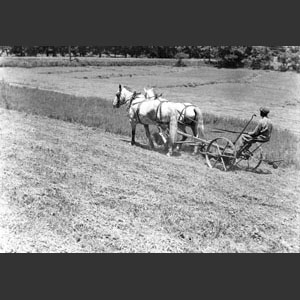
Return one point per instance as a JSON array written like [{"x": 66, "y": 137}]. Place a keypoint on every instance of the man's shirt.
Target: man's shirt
[{"x": 263, "y": 129}]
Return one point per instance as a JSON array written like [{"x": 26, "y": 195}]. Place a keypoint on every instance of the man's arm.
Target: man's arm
[{"x": 256, "y": 131}]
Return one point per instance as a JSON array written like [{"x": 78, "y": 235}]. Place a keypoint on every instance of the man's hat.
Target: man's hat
[{"x": 264, "y": 110}]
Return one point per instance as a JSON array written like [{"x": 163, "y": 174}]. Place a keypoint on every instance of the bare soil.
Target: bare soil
[{"x": 69, "y": 188}]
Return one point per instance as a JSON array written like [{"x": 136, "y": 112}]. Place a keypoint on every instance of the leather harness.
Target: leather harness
[
  {"x": 182, "y": 114},
  {"x": 137, "y": 112}
]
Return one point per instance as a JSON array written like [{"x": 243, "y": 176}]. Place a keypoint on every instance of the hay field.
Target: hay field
[
  {"x": 234, "y": 93},
  {"x": 71, "y": 188},
  {"x": 67, "y": 187}
]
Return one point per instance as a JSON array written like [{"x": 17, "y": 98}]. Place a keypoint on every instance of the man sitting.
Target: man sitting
[{"x": 261, "y": 134}]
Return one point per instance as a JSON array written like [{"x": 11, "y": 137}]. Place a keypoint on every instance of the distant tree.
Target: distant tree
[
  {"x": 18, "y": 50},
  {"x": 124, "y": 50},
  {"x": 295, "y": 61},
  {"x": 63, "y": 50},
  {"x": 206, "y": 52},
  {"x": 290, "y": 60},
  {"x": 5, "y": 49},
  {"x": 31, "y": 51},
  {"x": 97, "y": 50},
  {"x": 180, "y": 56},
  {"x": 51, "y": 50},
  {"x": 152, "y": 51},
  {"x": 258, "y": 57},
  {"x": 70, "y": 53},
  {"x": 136, "y": 51},
  {"x": 230, "y": 56},
  {"x": 191, "y": 51},
  {"x": 83, "y": 50},
  {"x": 166, "y": 51},
  {"x": 114, "y": 50}
]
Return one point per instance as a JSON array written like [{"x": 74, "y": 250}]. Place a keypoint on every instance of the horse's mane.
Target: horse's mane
[
  {"x": 127, "y": 88},
  {"x": 156, "y": 95}
]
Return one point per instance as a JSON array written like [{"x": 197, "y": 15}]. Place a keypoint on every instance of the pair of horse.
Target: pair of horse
[{"x": 151, "y": 109}]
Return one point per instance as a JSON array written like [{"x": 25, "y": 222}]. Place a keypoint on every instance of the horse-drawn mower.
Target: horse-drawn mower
[{"x": 224, "y": 154}]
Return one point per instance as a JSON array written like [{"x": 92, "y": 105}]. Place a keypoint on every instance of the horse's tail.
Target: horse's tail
[{"x": 199, "y": 122}]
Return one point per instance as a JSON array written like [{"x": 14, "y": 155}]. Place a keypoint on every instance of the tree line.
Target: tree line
[{"x": 255, "y": 57}]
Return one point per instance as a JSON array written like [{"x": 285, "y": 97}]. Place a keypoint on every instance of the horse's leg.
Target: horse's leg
[
  {"x": 133, "y": 127},
  {"x": 195, "y": 133},
  {"x": 182, "y": 128},
  {"x": 198, "y": 128},
  {"x": 173, "y": 125},
  {"x": 161, "y": 133},
  {"x": 149, "y": 136}
]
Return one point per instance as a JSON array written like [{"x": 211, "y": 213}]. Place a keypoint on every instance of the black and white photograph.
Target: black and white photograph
[{"x": 149, "y": 149}]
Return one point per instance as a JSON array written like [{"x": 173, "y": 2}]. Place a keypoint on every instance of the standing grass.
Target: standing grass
[
  {"x": 98, "y": 112},
  {"x": 88, "y": 111}
]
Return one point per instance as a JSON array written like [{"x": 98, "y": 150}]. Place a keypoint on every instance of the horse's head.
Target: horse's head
[
  {"x": 121, "y": 96},
  {"x": 150, "y": 94}
]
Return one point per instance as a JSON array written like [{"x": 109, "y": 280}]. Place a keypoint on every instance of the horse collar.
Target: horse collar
[{"x": 131, "y": 99}]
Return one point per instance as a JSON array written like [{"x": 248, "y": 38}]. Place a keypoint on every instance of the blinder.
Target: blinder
[{"x": 118, "y": 95}]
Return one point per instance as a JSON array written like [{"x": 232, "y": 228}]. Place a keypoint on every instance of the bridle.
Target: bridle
[{"x": 118, "y": 95}]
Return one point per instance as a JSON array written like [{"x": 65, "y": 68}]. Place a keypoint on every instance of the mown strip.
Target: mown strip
[{"x": 99, "y": 113}]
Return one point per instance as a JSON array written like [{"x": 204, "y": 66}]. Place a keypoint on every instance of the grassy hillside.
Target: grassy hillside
[{"x": 68, "y": 188}]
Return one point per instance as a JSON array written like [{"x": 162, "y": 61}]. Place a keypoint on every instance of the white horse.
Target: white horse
[
  {"x": 189, "y": 115},
  {"x": 148, "y": 112}
]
